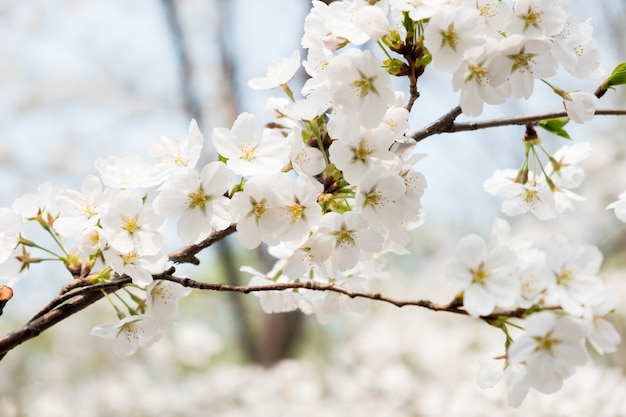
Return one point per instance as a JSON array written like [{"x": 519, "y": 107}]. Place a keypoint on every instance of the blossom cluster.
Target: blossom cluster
[
  {"x": 493, "y": 49},
  {"x": 562, "y": 300},
  {"x": 545, "y": 190},
  {"x": 330, "y": 185}
]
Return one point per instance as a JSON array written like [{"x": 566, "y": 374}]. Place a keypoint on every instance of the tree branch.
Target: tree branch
[
  {"x": 78, "y": 298},
  {"x": 446, "y": 124},
  {"x": 187, "y": 255}
]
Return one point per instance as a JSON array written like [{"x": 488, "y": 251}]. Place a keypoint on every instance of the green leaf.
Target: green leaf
[
  {"x": 617, "y": 77},
  {"x": 555, "y": 126}
]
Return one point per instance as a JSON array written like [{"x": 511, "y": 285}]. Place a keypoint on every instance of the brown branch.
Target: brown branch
[
  {"x": 454, "y": 306},
  {"x": 81, "y": 293},
  {"x": 78, "y": 298},
  {"x": 446, "y": 124},
  {"x": 187, "y": 255},
  {"x": 34, "y": 327}
]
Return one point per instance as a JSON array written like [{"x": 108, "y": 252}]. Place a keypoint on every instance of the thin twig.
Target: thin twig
[{"x": 446, "y": 124}]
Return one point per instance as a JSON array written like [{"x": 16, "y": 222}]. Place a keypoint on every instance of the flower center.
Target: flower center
[
  {"x": 364, "y": 85},
  {"x": 294, "y": 212},
  {"x": 361, "y": 151},
  {"x": 480, "y": 274},
  {"x": 197, "y": 199},
  {"x": 345, "y": 238},
  {"x": 450, "y": 37},
  {"x": 130, "y": 224}
]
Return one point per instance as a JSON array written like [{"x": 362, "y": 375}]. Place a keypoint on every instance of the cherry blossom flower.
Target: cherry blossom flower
[
  {"x": 378, "y": 194},
  {"x": 140, "y": 267},
  {"x": 418, "y": 9},
  {"x": 128, "y": 171},
  {"x": 185, "y": 153},
  {"x": 575, "y": 48},
  {"x": 198, "y": 198},
  {"x": 619, "y": 206},
  {"x": 484, "y": 275},
  {"x": 350, "y": 237},
  {"x": 489, "y": 370},
  {"x": 474, "y": 78},
  {"x": 29, "y": 206},
  {"x": 12, "y": 269},
  {"x": 537, "y": 18},
  {"x": 522, "y": 198},
  {"x": 373, "y": 21},
  {"x": 451, "y": 31},
  {"x": 573, "y": 273},
  {"x": 162, "y": 299},
  {"x": 131, "y": 226},
  {"x": 10, "y": 230},
  {"x": 580, "y": 106},
  {"x": 520, "y": 61},
  {"x": 355, "y": 156},
  {"x": 602, "y": 335},
  {"x": 130, "y": 333},
  {"x": 565, "y": 170},
  {"x": 306, "y": 160},
  {"x": 273, "y": 301},
  {"x": 296, "y": 211},
  {"x": 250, "y": 150},
  {"x": 327, "y": 305},
  {"x": 360, "y": 86},
  {"x": 91, "y": 240},
  {"x": 80, "y": 210},
  {"x": 312, "y": 256},
  {"x": 279, "y": 72},
  {"x": 550, "y": 350},
  {"x": 250, "y": 209}
]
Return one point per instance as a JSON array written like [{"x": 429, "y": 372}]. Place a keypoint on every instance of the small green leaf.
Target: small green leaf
[
  {"x": 617, "y": 77},
  {"x": 555, "y": 126}
]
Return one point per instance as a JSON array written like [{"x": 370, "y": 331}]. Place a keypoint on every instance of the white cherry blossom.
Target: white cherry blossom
[
  {"x": 198, "y": 198},
  {"x": 522, "y": 198},
  {"x": 350, "y": 237},
  {"x": 520, "y": 62},
  {"x": 80, "y": 210},
  {"x": 249, "y": 149},
  {"x": 575, "y": 48},
  {"x": 484, "y": 275},
  {"x": 279, "y": 72},
  {"x": 538, "y": 17},
  {"x": 619, "y": 206},
  {"x": 296, "y": 211},
  {"x": 10, "y": 229},
  {"x": 250, "y": 209},
  {"x": 130, "y": 333},
  {"x": 360, "y": 86},
  {"x": 128, "y": 171},
  {"x": 172, "y": 154},
  {"x": 138, "y": 266},
  {"x": 550, "y": 351},
  {"x": 162, "y": 299},
  {"x": 355, "y": 156},
  {"x": 452, "y": 31},
  {"x": 580, "y": 106},
  {"x": 573, "y": 273},
  {"x": 130, "y": 225},
  {"x": 378, "y": 194}
]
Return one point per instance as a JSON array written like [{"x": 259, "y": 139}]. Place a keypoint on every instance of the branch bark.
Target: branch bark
[{"x": 447, "y": 124}]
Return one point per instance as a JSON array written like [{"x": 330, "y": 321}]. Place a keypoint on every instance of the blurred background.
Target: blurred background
[{"x": 83, "y": 79}]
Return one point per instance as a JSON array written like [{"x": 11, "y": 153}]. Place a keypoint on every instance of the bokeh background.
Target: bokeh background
[{"x": 82, "y": 79}]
